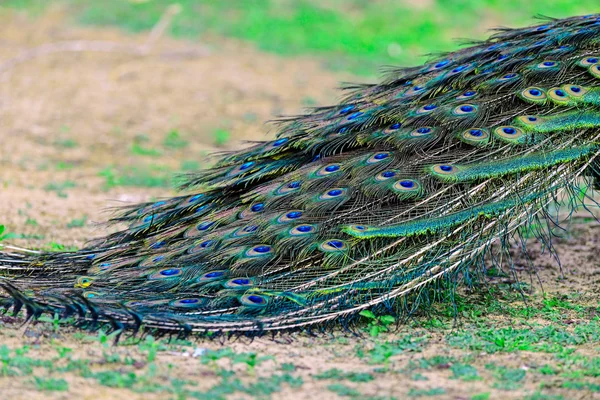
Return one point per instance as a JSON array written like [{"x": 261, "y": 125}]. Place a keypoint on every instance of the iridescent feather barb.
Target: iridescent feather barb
[{"x": 365, "y": 203}]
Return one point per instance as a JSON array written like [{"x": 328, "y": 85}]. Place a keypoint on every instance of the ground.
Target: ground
[{"x": 86, "y": 130}]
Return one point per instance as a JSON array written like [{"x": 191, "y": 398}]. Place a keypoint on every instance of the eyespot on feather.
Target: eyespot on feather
[
  {"x": 288, "y": 216},
  {"x": 333, "y": 245},
  {"x": 253, "y": 300},
  {"x": 166, "y": 273},
  {"x": 333, "y": 194},
  {"x": 444, "y": 169},
  {"x": 595, "y": 71},
  {"x": 212, "y": 276},
  {"x": 464, "y": 110},
  {"x": 423, "y": 131},
  {"x": 469, "y": 94},
  {"x": 287, "y": 188},
  {"x": 588, "y": 61},
  {"x": 574, "y": 90},
  {"x": 559, "y": 96},
  {"x": 261, "y": 250},
  {"x": 533, "y": 94},
  {"x": 83, "y": 282},
  {"x": 302, "y": 230},
  {"x": 188, "y": 302},
  {"x": 475, "y": 136},
  {"x": 239, "y": 283},
  {"x": 509, "y": 133}
]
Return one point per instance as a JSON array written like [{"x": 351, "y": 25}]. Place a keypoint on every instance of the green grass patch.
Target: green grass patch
[{"x": 356, "y": 35}]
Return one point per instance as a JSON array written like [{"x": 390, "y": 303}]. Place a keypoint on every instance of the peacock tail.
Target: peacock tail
[{"x": 362, "y": 204}]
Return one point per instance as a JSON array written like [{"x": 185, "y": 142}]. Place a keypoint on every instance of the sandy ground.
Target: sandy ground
[{"x": 69, "y": 115}]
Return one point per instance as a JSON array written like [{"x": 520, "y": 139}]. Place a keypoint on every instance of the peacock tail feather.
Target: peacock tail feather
[{"x": 357, "y": 205}]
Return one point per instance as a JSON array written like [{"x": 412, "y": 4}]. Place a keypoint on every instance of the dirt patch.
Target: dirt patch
[{"x": 70, "y": 118}]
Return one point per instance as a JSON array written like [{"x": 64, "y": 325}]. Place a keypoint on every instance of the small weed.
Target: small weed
[
  {"x": 50, "y": 384},
  {"x": 221, "y": 137},
  {"x": 173, "y": 140},
  {"x": 60, "y": 187},
  {"x": 66, "y": 143},
  {"x": 77, "y": 222},
  {"x": 426, "y": 392},
  {"x": 377, "y": 324},
  {"x": 343, "y": 390}
]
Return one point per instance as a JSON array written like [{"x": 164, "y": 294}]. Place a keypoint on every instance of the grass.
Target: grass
[
  {"x": 354, "y": 35},
  {"x": 482, "y": 353}
]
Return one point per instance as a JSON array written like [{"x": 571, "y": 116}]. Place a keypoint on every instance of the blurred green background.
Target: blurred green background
[{"x": 353, "y": 35}]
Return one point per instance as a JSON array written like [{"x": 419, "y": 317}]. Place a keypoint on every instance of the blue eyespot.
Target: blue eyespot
[
  {"x": 251, "y": 228},
  {"x": 338, "y": 244},
  {"x": 355, "y": 115},
  {"x": 262, "y": 249},
  {"x": 423, "y": 130},
  {"x": 189, "y": 301},
  {"x": 429, "y": 107},
  {"x": 334, "y": 192},
  {"x": 347, "y": 109},
  {"x": 215, "y": 274},
  {"x": 467, "y": 109},
  {"x": 381, "y": 156},
  {"x": 157, "y": 259},
  {"x": 532, "y": 119},
  {"x": 158, "y": 245},
  {"x": 509, "y": 76},
  {"x": 446, "y": 168},
  {"x": 575, "y": 89},
  {"x": 332, "y": 168},
  {"x": 395, "y": 126},
  {"x": 388, "y": 174},
  {"x": 294, "y": 185},
  {"x": 206, "y": 243},
  {"x": 343, "y": 129},
  {"x": 469, "y": 93},
  {"x": 476, "y": 132},
  {"x": 294, "y": 214},
  {"x": 541, "y": 28},
  {"x": 591, "y": 60},
  {"x": 256, "y": 299},
  {"x": 549, "y": 63},
  {"x": 279, "y": 142},
  {"x": 195, "y": 197},
  {"x": 560, "y": 93},
  {"x": 149, "y": 218},
  {"x": 407, "y": 184},
  {"x": 460, "y": 68},
  {"x": 534, "y": 92},
  {"x": 241, "y": 281},
  {"x": 360, "y": 227},
  {"x": 170, "y": 272},
  {"x": 204, "y": 226},
  {"x": 246, "y": 165},
  {"x": 502, "y": 56},
  {"x": 442, "y": 64},
  {"x": 417, "y": 88},
  {"x": 304, "y": 228},
  {"x": 257, "y": 207},
  {"x": 90, "y": 257},
  {"x": 509, "y": 130}
]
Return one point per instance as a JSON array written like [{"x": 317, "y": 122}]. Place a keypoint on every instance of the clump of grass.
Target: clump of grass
[
  {"x": 174, "y": 140},
  {"x": 153, "y": 176},
  {"x": 60, "y": 187},
  {"x": 221, "y": 137},
  {"x": 77, "y": 222}
]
